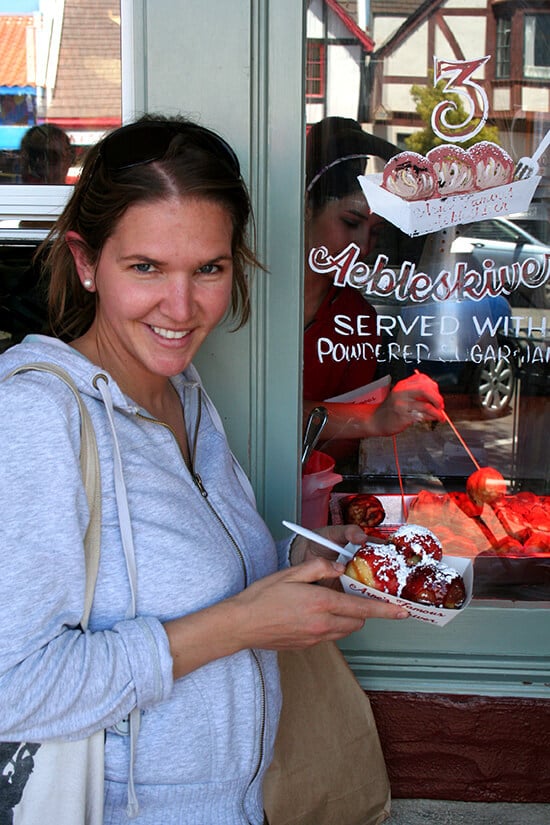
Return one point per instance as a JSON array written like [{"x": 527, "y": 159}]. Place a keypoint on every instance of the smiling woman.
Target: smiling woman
[
  {"x": 193, "y": 599},
  {"x": 158, "y": 294}
]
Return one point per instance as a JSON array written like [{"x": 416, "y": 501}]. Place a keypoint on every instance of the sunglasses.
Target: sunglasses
[{"x": 140, "y": 143}]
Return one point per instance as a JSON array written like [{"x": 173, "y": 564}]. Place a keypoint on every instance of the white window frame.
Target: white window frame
[{"x": 530, "y": 70}]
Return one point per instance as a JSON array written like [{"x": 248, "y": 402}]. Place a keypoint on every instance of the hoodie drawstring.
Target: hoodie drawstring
[{"x": 102, "y": 383}]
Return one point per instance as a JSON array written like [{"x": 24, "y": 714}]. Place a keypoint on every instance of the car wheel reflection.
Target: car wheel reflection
[{"x": 494, "y": 384}]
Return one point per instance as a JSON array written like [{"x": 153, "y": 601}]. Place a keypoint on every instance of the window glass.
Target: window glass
[
  {"x": 315, "y": 70},
  {"x": 60, "y": 85},
  {"x": 502, "y": 56},
  {"x": 537, "y": 45},
  {"x": 60, "y": 91},
  {"x": 427, "y": 253}
]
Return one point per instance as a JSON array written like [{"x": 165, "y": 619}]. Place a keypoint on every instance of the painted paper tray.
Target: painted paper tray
[
  {"x": 439, "y": 616},
  {"x": 421, "y": 217}
]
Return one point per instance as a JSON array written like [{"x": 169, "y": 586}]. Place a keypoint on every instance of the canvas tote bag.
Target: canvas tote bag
[
  {"x": 58, "y": 782},
  {"x": 328, "y": 767}
]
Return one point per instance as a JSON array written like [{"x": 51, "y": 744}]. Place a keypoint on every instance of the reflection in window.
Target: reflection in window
[
  {"x": 537, "y": 45},
  {"x": 315, "y": 70},
  {"x": 485, "y": 336},
  {"x": 59, "y": 69},
  {"x": 504, "y": 31}
]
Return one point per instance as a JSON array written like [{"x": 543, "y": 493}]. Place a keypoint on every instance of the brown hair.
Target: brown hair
[
  {"x": 46, "y": 154},
  {"x": 337, "y": 149},
  {"x": 191, "y": 166}
]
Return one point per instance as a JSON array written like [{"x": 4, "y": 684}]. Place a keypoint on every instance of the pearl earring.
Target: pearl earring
[{"x": 87, "y": 283}]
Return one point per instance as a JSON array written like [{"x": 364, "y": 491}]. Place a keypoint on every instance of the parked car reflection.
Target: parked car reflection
[
  {"x": 470, "y": 347},
  {"x": 504, "y": 242},
  {"x": 460, "y": 344}
]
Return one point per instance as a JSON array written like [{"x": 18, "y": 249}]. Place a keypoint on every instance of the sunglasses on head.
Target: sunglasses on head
[{"x": 141, "y": 143}]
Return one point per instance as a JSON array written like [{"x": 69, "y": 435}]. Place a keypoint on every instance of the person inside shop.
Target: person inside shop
[
  {"x": 336, "y": 215},
  {"x": 193, "y": 596},
  {"x": 46, "y": 155}
]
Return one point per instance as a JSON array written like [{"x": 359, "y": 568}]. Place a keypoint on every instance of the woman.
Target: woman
[
  {"x": 337, "y": 214},
  {"x": 46, "y": 155},
  {"x": 147, "y": 258}
]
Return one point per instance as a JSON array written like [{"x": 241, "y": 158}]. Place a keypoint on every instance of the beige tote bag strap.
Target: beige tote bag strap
[{"x": 89, "y": 463}]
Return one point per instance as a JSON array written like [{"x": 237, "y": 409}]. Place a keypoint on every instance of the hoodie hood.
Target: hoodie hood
[{"x": 42, "y": 348}]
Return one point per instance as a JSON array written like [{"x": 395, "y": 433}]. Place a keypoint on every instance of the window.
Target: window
[
  {"x": 536, "y": 61},
  {"x": 60, "y": 87},
  {"x": 401, "y": 140},
  {"x": 60, "y": 91},
  {"x": 504, "y": 29},
  {"x": 315, "y": 70},
  {"x": 463, "y": 298}
]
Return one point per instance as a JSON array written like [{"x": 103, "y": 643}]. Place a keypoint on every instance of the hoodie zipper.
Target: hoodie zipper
[{"x": 197, "y": 480}]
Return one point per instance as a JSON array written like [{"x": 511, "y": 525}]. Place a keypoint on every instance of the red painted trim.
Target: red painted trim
[
  {"x": 404, "y": 80},
  {"x": 84, "y": 123},
  {"x": 466, "y": 12},
  {"x": 351, "y": 25}
]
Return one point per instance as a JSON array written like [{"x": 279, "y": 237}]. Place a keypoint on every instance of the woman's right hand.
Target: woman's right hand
[{"x": 286, "y": 610}]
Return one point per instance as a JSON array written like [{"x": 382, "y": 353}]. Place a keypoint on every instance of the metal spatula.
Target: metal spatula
[{"x": 315, "y": 423}]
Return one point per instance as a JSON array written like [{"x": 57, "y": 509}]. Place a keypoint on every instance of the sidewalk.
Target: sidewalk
[{"x": 443, "y": 812}]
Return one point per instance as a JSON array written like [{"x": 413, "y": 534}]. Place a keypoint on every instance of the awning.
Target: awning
[
  {"x": 10, "y": 136},
  {"x": 18, "y": 90}
]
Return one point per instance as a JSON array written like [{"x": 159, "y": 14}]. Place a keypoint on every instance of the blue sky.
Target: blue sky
[{"x": 18, "y": 6}]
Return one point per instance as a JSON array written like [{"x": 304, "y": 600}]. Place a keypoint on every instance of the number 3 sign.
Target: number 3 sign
[{"x": 458, "y": 74}]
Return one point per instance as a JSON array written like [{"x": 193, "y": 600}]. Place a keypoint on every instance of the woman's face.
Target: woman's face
[
  {"x": 163, "y": 281},
  {"x": 341, "y": 222}
]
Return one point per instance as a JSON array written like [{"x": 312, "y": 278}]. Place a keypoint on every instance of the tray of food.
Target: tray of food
[
  {"x": 408, "y": 568},
  {"x": 506, "y": 538}
]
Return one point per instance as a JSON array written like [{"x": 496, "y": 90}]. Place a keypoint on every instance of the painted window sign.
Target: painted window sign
[
  {"x": 411, "y": 283},
  {"x": 427, "y": 255},
  {"x": 451, "y": 185},
  {"x": 459, "y": 77}
]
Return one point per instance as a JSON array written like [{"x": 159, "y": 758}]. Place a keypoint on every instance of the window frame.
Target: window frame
[
  {"x": 39, "y": 203},
  {"x": 321, "y": 63},
  {"x": 503, "y": 48},
  {"x": 531, "y": 71}
]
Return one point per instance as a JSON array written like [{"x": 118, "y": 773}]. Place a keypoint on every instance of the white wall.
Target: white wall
[{"x": 343, "y": 81}]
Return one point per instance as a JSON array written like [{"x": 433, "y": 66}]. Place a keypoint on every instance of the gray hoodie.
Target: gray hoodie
[{"x": 206, "y": 739}]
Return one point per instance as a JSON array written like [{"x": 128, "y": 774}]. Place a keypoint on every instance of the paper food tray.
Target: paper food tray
[
  {"x": 439, "y": 616},
  {"x": 422, "y": 217}
]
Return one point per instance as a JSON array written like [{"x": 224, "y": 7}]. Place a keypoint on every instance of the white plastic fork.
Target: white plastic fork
[
  {"x": 526, "y": 167},
  {"x": 309, "y": 534}
]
